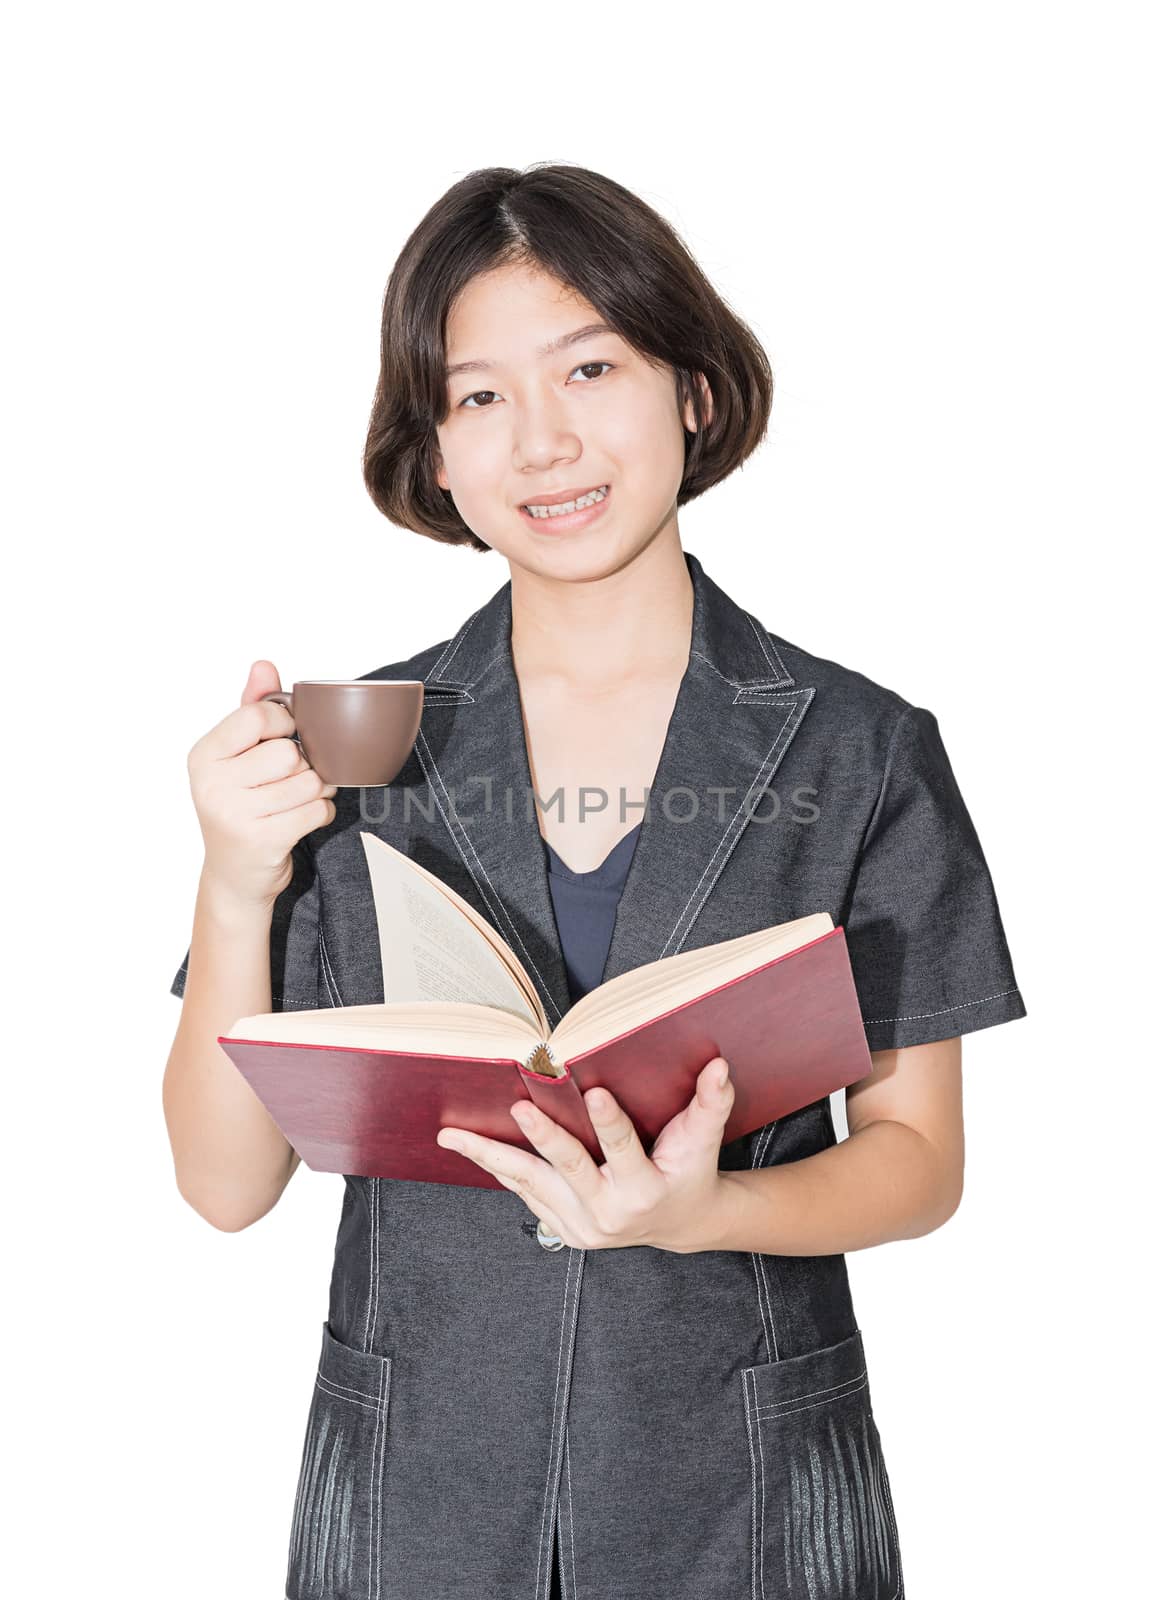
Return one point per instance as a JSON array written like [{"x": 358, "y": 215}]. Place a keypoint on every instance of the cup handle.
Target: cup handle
[{"x": 284, "y": 698}]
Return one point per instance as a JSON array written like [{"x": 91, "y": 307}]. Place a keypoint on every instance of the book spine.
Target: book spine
[
  {"x": 561, "y": 1100},
  {"x": 540, "y": 1059}
]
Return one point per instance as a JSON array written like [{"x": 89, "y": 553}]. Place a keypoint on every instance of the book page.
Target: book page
[
  {"x": 643, "y": 993},
  {"x": 459, "y": 1030},
  {"x": 428, "y": 947}
]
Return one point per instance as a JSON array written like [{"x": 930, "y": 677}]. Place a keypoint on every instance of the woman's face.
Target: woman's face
[{"x": 550, "y": 410}]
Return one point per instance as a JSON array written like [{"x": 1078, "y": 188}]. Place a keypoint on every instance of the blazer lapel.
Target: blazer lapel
[{"x": 735, "y": 717}]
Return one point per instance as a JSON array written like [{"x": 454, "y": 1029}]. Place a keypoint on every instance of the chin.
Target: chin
[{"x": 585, "y": 561}]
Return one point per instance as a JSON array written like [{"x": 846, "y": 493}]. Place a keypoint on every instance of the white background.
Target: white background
[{"x": 947, "y": 225}]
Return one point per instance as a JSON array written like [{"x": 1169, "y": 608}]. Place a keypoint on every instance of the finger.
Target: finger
[
  {"x": 714, "y": 1086},
  {"x": 617, "y": 1134},
  {"x": 713, "y": 1099},
  {"x": 245, "y": 727},
  {"x": 527, "y": 1175},
  {"x": 263, "y": 678},
  {"x": 272, "y": 799},
  {"x": 269, "y": 771},
  {"x": 569, "y": 1156},
  {"x": 269, "y": 761}
]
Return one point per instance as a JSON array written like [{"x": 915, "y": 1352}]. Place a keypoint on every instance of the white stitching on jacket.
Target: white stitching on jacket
[
  {"x": 786, "y": 1407},
  {"x": 375, "y": 1572},
  {"x": 570, "y": 1499},
  {"x": 373, "y": 1235},
  {"x": 756, "y": 1449},
  {"x": 332, "y": 988},
  {"x": 453, "y": 645},
  {"x": 775, "y": 660},
  {"x": 327, "y": 1386},
  {"x": 553, "y": 1432},
  {"x": 915, "y": 1016},
  {"x": 760, "y": 1146}
]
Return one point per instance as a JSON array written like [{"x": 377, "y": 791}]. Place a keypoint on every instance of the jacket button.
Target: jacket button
[{"x": 549, "y": 1241}]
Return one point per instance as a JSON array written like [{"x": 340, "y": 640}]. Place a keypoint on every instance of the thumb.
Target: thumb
[
  {"x": 703, "y": 1119},
  {"x": 263, "y": 678},
  {"x": 714, "y": 1093}
]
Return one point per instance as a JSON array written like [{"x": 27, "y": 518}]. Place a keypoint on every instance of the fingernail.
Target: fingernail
[
  {"x": 596, "y": 1099},
  {"x": 722, "y": 1075}
]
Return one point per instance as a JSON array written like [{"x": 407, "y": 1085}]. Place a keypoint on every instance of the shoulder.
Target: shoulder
[{"x": 860, "y": 713}]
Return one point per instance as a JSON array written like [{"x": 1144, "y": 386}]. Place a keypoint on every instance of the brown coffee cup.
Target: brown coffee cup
[{"x": 356, "y": 733}]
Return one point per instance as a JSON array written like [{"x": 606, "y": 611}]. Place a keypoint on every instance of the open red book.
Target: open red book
[{"x": 365, "y": 1089}]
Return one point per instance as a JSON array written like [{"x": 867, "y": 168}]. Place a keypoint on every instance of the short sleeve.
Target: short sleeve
[
  {"x": 924, "y": 932},
  {"x": 293, "y": 940}
]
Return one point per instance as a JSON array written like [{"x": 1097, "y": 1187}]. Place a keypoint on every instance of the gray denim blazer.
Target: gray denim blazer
[{"x": 696, "y": 1426}]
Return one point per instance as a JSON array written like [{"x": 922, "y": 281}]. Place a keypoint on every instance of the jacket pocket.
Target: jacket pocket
[
  {"x": 822, "y": 1523},
  {"x": 335, "y": 1540}
]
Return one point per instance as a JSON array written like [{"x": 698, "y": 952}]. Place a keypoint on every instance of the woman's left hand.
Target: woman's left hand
[{"x": 670, "y": 1199}]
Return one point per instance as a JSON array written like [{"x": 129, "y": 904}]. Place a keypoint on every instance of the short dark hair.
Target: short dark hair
[{"x": 618, "y": 254}]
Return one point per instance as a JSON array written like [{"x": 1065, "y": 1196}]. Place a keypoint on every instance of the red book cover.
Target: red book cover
[{"x": 790, "y": 1030}]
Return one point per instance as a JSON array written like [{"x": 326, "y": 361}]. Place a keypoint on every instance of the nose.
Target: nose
[{"x": 543, "y": 439}]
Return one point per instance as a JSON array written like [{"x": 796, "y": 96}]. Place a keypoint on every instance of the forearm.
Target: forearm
[
  {"x": 882, "y": 1183},
  {"x": 231, "y": 1160}
]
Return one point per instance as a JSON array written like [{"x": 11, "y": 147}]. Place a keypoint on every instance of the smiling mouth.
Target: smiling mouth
[{"x": 592, "y": 498}]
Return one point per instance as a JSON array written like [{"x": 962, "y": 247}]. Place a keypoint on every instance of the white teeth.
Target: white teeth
[{"x": 590, "y": 499}]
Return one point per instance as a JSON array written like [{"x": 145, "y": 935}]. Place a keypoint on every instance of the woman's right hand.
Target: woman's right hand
[{"x": 255, "y": 795}]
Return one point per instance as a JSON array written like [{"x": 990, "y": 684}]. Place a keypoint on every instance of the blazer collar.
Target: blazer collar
[{"x": 735, "y": 715}]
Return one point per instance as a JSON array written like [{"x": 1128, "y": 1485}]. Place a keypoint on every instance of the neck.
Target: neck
[{"x": 600, "y": 633}]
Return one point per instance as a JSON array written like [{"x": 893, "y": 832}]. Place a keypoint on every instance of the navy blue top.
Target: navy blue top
[{"x": 585, "y": 904}]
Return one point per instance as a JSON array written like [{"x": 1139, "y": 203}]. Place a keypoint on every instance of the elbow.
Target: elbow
[
  {"x": 945, "y": 1185},
  {"x": 940, "y": 1201},
  {"x": 223, "y": 1217},
  {"x": 951, "y": 1206},
  {"x": 222, "y": 1221},
  {"x": 947, "y": 1204},
  {"x": 231, "y": 1207},
  {"x": 231, "y": 1224}
]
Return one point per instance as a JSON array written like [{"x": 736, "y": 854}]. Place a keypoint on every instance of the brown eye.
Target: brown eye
[
  {"x": 587, "y": 365},
  {"x": 479, "y": 395}
]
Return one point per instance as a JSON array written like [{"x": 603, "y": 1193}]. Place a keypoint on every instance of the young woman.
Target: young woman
[{"x": 641, "y": 1379}]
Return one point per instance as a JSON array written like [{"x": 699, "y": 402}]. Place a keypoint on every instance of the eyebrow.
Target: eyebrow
[{"x": 591, "y": 331}]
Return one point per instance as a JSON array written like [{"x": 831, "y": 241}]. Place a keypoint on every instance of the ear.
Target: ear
[
  {"x": 441, "y": 472},
  {"x": 709, "y": 405}
]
